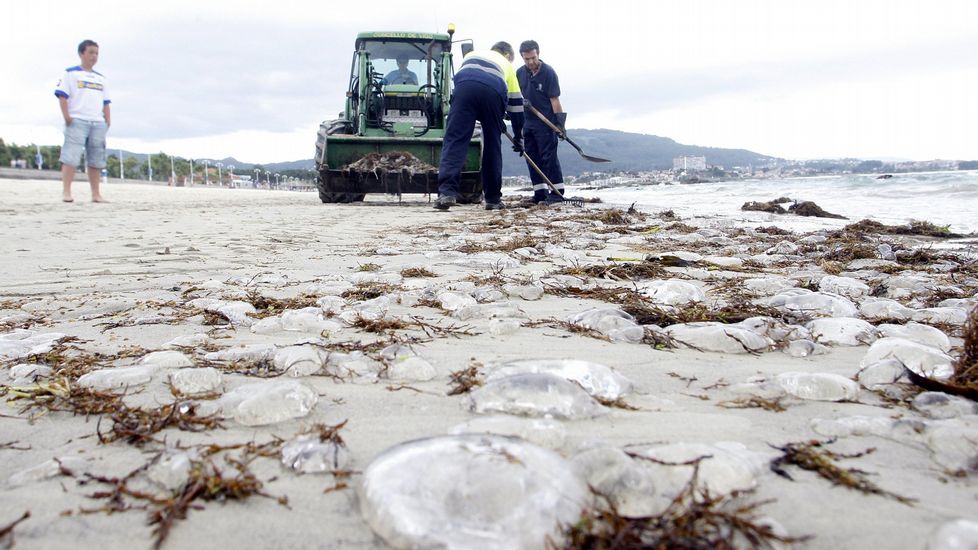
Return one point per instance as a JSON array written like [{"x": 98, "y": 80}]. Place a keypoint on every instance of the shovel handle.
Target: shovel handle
[{"x": 545, "y": 120}]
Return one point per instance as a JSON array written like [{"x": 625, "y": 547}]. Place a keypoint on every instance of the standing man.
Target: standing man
[
  {"x": 84, "y": 103},
  {"x": 486, "y": 90},
  {"x": 541, "y": 89}
]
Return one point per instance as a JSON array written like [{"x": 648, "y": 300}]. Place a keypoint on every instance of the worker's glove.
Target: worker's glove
[
  {"x": 561, "y": 121},
  {"x": 518, "y": 146}
]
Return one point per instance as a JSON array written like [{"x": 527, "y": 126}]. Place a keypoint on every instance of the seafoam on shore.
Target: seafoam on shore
[{"x": 349, "y": 353}]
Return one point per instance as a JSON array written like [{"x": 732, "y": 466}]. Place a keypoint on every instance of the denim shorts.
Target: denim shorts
[{"x": 88, "y": 136}]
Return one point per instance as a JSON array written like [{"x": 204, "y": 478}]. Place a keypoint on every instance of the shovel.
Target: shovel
[
  {"x": 575, "y": 202},
  {"x": 562, "y": 134}
]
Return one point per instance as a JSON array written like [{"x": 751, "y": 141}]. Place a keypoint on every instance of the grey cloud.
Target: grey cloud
[
  {"x": 650, "y": 91},
  {"x": 203, "y": 80}
]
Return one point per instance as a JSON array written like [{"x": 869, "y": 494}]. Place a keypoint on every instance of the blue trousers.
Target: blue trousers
[
  {"x": 541, "y": 146},
  {"x": 473, "y": 101}
]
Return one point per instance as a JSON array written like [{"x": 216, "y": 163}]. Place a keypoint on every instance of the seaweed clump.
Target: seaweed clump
[
  {"x": 694, "y": 519},
  {"x": 267, "y": 306},
  {"x": 802, "y": 208},
  {"x": 812, "y": 456},
  {"x": 464, "y": 380},
  {"x": 206, "y": 482},
  {"x": 915, "y": 227},
  {"x": 627, "y": 271},
  {"x": 417, "y": 272},
  {"x": 137, "y": 426}
]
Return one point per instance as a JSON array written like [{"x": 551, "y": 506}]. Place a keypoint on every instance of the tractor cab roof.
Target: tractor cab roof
[{"x": 400, "y": 36}]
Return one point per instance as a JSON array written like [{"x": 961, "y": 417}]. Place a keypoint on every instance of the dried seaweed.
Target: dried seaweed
[
  {"x": 216, "y": 318},
  {"x": 680, "y": 227},
  {"x": 368, "y": 267},
  {"x": 569, "y": 327},
  {"x": 812, "y": 456},
  {"x": 617, "y": 271},
  {"x": 137, "y": 426},
  {"x": 7, "y": 531},
  {"x": 267, "y": 307},
  {"x": 694, "y": 519},
  {"x": 650, "y": 314},
  {"x": 12, "y": 304},
  {"x": 369, "y": 291},
  {"x": 206, "y": 482},
  {"x": 61, "y": 395},
  {"x": 616, "y": 403},
  {"x": 390, "y": 161},
  {"x": 463, "y": 381},
  {"x": 377, "y": 325},
  {"x": 433, "y": 303},
  {"x": 327, "y": 433},
  {"x": 417, "y": 272},
  {"x": 773, "y": 230},
  {"x": 612, "y": 216},
  {"x": 966, "y": 366},
  {"x": 754, "y": 402},
  {"x": 916, "y": 227},
  {"x": 258, "y": 368},
  {"x": 436, "y": 329},
  {"x": 688, "y": 379},
  {"x": 504, "y": 246}
]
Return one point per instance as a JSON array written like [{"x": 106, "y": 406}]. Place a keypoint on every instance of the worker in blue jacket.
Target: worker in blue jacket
[
  {"x": 541, "y": 89},
  {"x": 486, "y": 90}
]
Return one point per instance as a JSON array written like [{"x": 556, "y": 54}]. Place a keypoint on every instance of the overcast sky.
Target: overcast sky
[{"x": 253, "y": 79}]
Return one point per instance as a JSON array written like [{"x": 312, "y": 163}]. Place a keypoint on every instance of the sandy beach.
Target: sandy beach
[{"x": 162, "y": 280}]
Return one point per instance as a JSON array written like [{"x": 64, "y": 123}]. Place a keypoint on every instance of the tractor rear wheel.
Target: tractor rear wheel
[{"x": 327, "y": 195}]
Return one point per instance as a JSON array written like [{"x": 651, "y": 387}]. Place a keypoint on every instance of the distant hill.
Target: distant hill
[
  {"x": 292, "y": 165},
  {"x": 632, "y": 152}
]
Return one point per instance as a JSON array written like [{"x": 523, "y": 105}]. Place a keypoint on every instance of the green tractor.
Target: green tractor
[{"x": 389, "y": 137}]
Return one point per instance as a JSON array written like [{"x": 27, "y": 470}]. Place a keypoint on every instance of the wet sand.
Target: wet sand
[{"x": 91, "y": 271}]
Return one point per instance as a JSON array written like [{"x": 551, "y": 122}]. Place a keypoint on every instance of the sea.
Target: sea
[{"x": 942, "y": 198}]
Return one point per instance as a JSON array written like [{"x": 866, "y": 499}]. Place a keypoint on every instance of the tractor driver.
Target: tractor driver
[{"x": 402, "y": 75}]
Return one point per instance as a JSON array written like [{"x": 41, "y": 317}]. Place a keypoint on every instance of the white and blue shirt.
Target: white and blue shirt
[{"x": 86, "y": 93}]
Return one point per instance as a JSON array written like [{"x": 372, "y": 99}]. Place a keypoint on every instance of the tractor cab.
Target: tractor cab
[{"x": 406, "y": 80}]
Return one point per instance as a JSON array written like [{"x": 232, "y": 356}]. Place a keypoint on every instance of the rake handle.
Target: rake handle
[{"x": 535, "y": 167}]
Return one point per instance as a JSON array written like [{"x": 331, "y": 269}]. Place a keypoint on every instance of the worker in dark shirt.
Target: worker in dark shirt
[
  {"x": 541, "y": 89},
  {"x": 486, "y": 90}
]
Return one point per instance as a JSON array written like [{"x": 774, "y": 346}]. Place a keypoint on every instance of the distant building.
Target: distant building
[{"x": 688, "y": 163}]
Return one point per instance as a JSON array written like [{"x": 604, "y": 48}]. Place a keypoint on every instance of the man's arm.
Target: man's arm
[
  {"x": 64, "y": 109},
  {"x": 555, "y": 103},
  {"x": 108, "y": 114}
]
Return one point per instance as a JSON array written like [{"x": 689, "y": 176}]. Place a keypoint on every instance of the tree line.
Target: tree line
[{"x": 132, "y": 166}]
